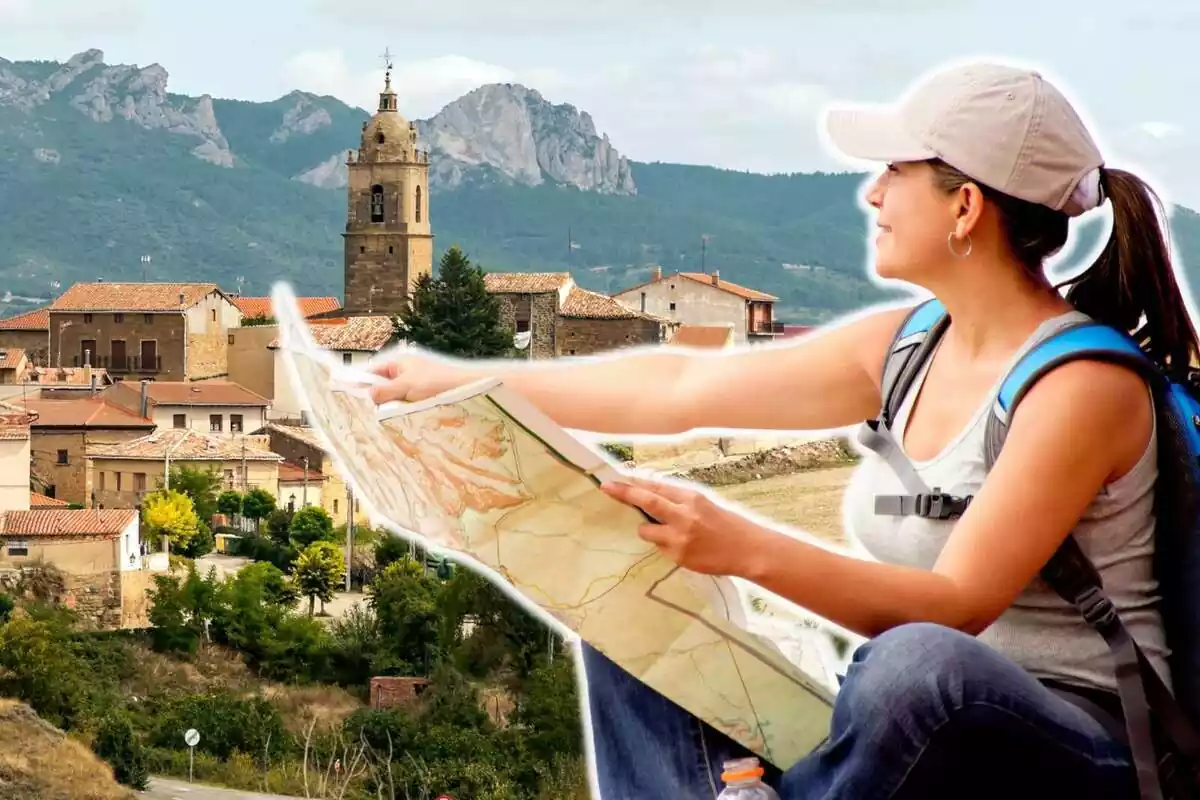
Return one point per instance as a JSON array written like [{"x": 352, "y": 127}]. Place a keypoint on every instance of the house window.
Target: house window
[
  {"x": 118, "y": 317},
  {"x": 62, "y": 456},
  {"x": 672, "y": 305},
  {"x": 214, "y": 315},
  {"x": 49, "y": 491},
  {"x": 235, "y": 423},
  {"x": 18, "y": 548},
  {"x": 118, "y": 474},
  {"x": 391, "y": 250},
  {"x": 335, "y": 505},
  {"x": 100, "y": 480},
  {"x": 418, "y": 204},
  {"x": 87, "y": 318},
  {"x": 230, "y": 338},
  {"x": 139, "y": 481},
  {"x": 215, "y": 422},
  {"x": 179, "y": 420},
  {"x": 347, "y": 358},
  {"x": 377, "y": 203},
  {"x": 522, "y": 325}
]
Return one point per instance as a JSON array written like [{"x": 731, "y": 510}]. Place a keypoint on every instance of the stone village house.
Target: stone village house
[
  {"x": 217, "y": 406},
  {"x": 561, "y": 318},
  {"x": 120, "y": 475},
  {"x": 308, "y": 469},
  {"x": 64, "y": 431},
  {"x": 157, "y": 331},
  {"x": 29, "y": 332},
  {"x": 698, "y": 298}
]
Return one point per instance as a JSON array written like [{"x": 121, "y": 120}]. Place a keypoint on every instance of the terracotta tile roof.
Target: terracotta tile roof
[
  {"x": 261, "y": 306},
  {"x": 522, "y": 282},
  {"x": 732, "y": 288},
  {"x": 183, "y": 444},
  {"x": 294, "y": 473},
  {"x": 364, "y": 334},
  {"x": 700, "y": 277},
  {"x": 69, "y": 376},
  {"x": 41, "y": 501},
  {"x": 62, "y": 522},
  {"x": 14, "y": 425},
  {"x": 703, "y": 335},
  {"x": 301, "y": 433},
  {"x": 585, "y": 304},
  {"x": 36, "y": 320},
  {"x": 11, "y": 357},
  {"x": 79, "y": 412},
  {"x": 135, "y": 297},
  {"x": 201, "y": 393}
]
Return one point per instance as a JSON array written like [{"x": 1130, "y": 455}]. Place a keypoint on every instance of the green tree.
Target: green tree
[
  {"x": 6, "y": 607},
  {"x": 230, "y": 502},
  {"x": 279, "y": 527},
  {"x": 317, "y": 573},
  {"x": 200, "y": 485},
  {"x": 170, "y": 512},
  {"x": 311, "y": 524},
  {"x": 257, "y": 505},
  {"x": 117, "y": 743},
  {"x": 405, "y": 601},
  {"x": 454, "y": 314}
]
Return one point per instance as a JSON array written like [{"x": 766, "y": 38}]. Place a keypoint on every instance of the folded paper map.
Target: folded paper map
[{"x": 480, "y": 475}]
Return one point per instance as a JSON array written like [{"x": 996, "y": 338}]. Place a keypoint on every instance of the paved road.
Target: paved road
[{"x": 171, "y": 789}]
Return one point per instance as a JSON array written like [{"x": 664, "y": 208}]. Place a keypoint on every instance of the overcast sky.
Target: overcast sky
[{"x": 736, "y": 85}]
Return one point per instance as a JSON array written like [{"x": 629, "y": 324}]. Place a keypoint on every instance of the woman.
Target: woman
[{"x": 951, "y": 695}]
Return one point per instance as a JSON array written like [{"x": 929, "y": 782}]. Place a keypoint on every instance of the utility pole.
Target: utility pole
[
  {"x": 304, "y": 492},
  {"x": 349, "y": 534}
]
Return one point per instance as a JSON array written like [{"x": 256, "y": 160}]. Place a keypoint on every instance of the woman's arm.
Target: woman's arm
[
  {"x": 829, "y": 379},
  {"x": 1079, "y": 427}
]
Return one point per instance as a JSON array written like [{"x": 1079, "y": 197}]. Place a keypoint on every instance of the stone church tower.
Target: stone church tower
[{"x": 388, "y": 238}]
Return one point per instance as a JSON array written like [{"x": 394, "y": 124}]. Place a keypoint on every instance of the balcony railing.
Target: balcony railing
[
  {"x": 119, "y": 364},
  {"x": 759, "y": 328}
]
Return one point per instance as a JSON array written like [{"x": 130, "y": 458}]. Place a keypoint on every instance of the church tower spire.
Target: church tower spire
[{"x": 388, "y": 239}]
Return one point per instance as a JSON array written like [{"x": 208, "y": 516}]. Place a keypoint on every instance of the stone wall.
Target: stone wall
[
  {"x": 36, "y": 344},
  {"x": 135, "y": 605},
  {"x": 96, "y": 598},
  {"x": 396, "y": 692},
  {"x": 541, "y": 311},
  {"x": 586, "y": 336},
  {"x": 207, "y": 355}
]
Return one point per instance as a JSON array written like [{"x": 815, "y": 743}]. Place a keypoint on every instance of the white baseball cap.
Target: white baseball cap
[{"x": 1005, "y": 127}]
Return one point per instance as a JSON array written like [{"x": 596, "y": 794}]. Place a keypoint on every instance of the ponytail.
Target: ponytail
[{"x": 1133, "y": 278}]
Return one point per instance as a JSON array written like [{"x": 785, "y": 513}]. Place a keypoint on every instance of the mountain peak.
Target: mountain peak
[{"x": 513, "y": 131}]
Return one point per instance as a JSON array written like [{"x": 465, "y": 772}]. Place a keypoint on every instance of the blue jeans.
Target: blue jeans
[{"x": 924, "y": 712}]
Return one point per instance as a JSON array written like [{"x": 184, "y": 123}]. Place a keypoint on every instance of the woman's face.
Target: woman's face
[{"x": 915, "y": 218}]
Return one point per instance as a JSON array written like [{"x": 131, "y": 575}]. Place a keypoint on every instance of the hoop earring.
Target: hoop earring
[{"x": 950, "y": 244}]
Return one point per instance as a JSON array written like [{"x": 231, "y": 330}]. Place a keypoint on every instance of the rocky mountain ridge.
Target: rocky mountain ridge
[{"x": 504, "y": 132}]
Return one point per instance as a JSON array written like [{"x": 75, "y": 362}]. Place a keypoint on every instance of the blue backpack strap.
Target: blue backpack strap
[
  {"x": 1072, "y": 575},
  {"x": 913, "y": 344}
]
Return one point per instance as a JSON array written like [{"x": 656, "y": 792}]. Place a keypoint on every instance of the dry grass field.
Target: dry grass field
[{"x": 808, "y": 501}]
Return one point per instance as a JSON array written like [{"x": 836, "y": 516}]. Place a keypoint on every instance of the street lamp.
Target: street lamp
[{"x": 292, "y": 502}]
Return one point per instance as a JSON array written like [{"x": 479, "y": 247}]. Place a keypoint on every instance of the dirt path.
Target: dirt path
[{"x": 172, "y": 789}]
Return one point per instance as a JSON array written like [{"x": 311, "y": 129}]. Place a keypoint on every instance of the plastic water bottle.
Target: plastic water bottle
[{"x": 743, "y": 781}]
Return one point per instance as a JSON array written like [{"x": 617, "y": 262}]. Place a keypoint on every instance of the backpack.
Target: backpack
[{"x": 1162, "y": 729}]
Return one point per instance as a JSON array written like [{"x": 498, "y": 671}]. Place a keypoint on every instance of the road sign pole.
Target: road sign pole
[{"x": 191, "y": 738}]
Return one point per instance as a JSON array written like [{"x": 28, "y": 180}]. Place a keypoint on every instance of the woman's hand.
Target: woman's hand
[
  {"x": 692, "y": 530},
  {"x": 413, "y": 375}
]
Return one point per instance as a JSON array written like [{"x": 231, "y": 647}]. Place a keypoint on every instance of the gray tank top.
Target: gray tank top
[{"x": 1040, "y": 631}]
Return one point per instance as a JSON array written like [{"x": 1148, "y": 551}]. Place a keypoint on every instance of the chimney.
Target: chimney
[
  {"x": 144, "y": 407},
  {"x": 91, "y": 380},
  {"x": 716, "y": 278},
  {"x": 88, "y": 377},
  {"x": 656, "y": 273}
]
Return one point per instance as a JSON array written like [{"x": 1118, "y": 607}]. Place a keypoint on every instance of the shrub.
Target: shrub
[{"x": 117, "y": 743}]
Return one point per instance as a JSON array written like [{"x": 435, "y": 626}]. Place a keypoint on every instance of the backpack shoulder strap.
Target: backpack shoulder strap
[
  {"x": 914, "y": 341},
  {"x": 1071, "y": 574},
  {"x": 1083, "y": 340}
]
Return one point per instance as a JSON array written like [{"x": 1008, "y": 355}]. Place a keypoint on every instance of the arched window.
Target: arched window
[
  {"x": 380, "y": 138},
  {"x": 377, "y": 203},
  {"x": 418, "y": 204}
]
